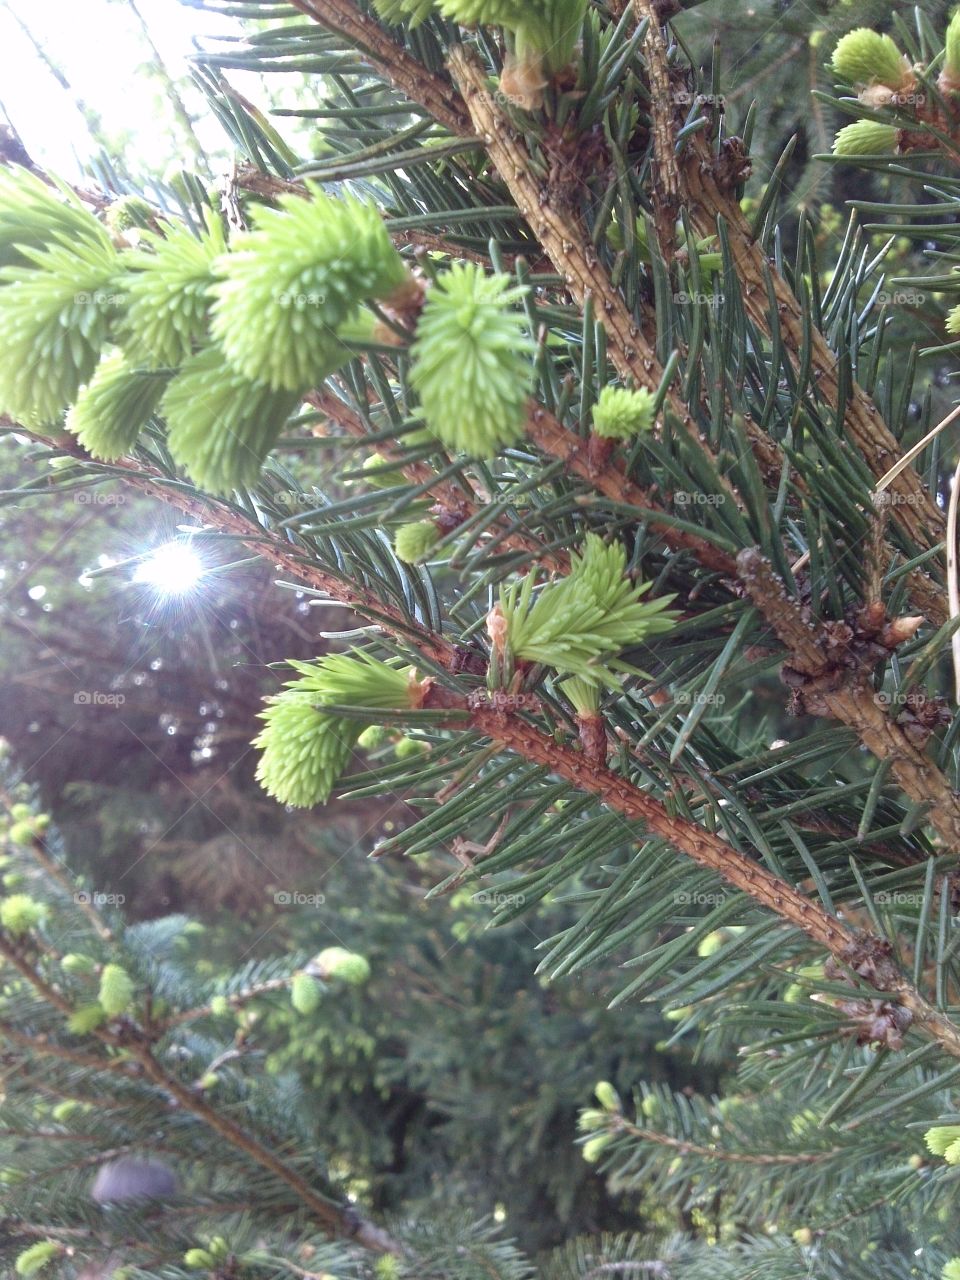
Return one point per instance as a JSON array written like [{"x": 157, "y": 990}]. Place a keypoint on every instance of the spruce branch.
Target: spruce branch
[
  {"x": 618, "y": 1123},
  {"x": 665, "y": 188},
  {"x": 710, "y": 202},
  {"x": 338, "y": 1221},
  {"x": 559, "y": 233},
  {"x": 393, "y": 62},
  {"x": 866, "y": 954},
  {"x": 834, "y": 681},
  {"x": 609, "y": 478}
]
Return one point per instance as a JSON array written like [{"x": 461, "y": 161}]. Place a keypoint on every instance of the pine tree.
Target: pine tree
[{"x": 653, "y": 474}]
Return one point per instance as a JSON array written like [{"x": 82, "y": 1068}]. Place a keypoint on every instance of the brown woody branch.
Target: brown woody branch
[
  {"x": 395, "y": 64},
  {"x": 665, "y": 188},
  {"x": 836, "y": 684}
]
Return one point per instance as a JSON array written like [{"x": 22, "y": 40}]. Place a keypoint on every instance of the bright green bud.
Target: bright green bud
[
  {"x": 221, "y": 426},
  {"x": 407, "y": 748},
  {"x": 594, "y": 1148},
  {"x": 608, "y": 1097},
  {"x": 803, "y": 1236},
  {"x": 305, "y": 993},
  {"x": 115, "y": 406},
  {"x": 865, "y": 56},
  {"x": 289, "y": 285},
  {"x": 34, "y": 1259},
  {"x": 54, "y": 319},
  {"x": 13, "y": 879},
  {"x": 219, "y": 1006},
  {"x": 64, "y": 1110},
  {"x": 952, "y": 1270},
  {"x": 168, "y": 297},
  {"x": 712, "y": 943},
  {"x": 116, "y": 990},
  {"x": 547, "y": 27},
  {"x": 357, "y": 680},
  {"x": 209, "y": 1080},
  {"x": 75, "y": 962},
  {"x": 620, "y": 414},
  {"x": 34, "y": 216},
  {"x": 951, "y": 61},
  {"x": 129, "y": 212},
  {"x": 584, "y": 695},
  {"x": 379, "y": 477},
  {"x": 472, "y": 361},
  {"x": 578, "y": 624},
  {"x": 372, "y": 737},
  {"x": 305, "y": 750},
  {"x": 86, "y": 1019},
  {"x": 866, "y": 138},
  {"x": 20, "y": 812},
  {"x": 197, "y": 1259},
  {"x": 591, "y": 1118},
  {"x": 414, "y": 542},
  {"x": 410, "y": 12},
  {"x": 22, "y": 832},
  {"x": 953, "y": 321},
  {"x": 650, "y": 1106},
  {"x": 944, "y": 1140},
  {"x": 348, "y": 966},
  {"x": 20, "y": 913}
]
